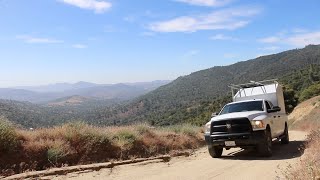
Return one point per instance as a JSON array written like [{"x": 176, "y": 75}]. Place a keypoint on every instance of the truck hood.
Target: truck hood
[{"x": 248, "y": 114}]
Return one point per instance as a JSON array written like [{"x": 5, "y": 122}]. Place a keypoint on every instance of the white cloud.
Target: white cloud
[
  {"x": 271, "y": 39},
  {"x": 79, "y": 46},
  {"x": 222, "y": 37},
  {"x": 38, "y": 40},
  {"x": 270, "y": 48},
  {"x": 97, "y": 6},
  {"x": 210, "y": 3},
  {"x": 228, "y": 19},
  {"x": 296, "y": 39},
  {"x": 301, "y": 40}
]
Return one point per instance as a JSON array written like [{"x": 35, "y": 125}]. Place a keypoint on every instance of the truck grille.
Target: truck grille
[{"x": 229, "y": 126}]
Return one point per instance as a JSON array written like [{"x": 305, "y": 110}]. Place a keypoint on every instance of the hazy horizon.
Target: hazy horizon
[{"x": 57, "y": 83}]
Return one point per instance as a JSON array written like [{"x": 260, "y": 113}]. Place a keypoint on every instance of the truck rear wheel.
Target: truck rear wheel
[
  {"x": 265, "y": 147},
  {"x": 215, "y": 151},
  {"x": 285, "y": 138}
]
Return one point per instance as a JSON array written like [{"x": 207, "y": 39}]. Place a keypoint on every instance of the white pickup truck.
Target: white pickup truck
[{"x": 254, "y": 118}]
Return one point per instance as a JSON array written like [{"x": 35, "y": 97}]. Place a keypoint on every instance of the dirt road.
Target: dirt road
[{"x": 235, "y": 164}]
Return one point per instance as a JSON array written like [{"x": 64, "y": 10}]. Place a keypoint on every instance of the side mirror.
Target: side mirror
[
  {"x": 274, "y": 109},
  {"x": 277, "y": 108},
  {"x": 214, "y": 114}
]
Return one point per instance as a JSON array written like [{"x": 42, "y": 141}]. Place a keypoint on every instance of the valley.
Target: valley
[{"x": 188, "y": 99}]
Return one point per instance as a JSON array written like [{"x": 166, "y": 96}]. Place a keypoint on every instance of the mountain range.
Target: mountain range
[
  {"x": 47, "y": 93},
  {"x": 191, "y": 98}
]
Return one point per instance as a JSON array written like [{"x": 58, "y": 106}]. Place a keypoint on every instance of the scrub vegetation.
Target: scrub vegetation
[{"x": 79, "y": 143}]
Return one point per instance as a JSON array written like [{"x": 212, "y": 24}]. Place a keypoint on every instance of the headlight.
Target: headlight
[
  {"x": 207, "y": 127},
  {"x": 257, "y": 124}
]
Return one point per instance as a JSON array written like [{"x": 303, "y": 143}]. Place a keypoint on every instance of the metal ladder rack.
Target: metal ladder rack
[{"x": 252, "y": 84}]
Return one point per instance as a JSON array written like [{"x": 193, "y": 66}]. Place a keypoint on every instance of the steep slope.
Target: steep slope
[
  {"x": 184, "y": 99},
  {"x": 306, "y": 114}
]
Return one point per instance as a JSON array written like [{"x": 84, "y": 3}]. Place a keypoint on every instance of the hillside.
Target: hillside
[
  {"x": 69, "y": 101},
  {"x": 192, "y": 98},
  {"x": 306, "y": 114},
  {"x": 30, "y": 115}
]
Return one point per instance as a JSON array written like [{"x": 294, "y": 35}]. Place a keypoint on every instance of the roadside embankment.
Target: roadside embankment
[
  {"x": 79, "y": 143},
  {"x": 306, "y": 117}
]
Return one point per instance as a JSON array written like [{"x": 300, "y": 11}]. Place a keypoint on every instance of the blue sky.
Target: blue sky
[{"x": 112, "y": 41}]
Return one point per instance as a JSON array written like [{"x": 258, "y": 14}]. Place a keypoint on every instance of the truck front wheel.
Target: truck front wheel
[
  {"x": 215, "y": 151},
  {"x": 265, "y": 147}
]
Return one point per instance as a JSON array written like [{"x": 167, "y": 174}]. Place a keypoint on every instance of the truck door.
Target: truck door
[{"x": 274, "y": 120}]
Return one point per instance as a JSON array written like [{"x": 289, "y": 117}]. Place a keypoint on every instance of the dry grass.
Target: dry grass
[
  {"x": 306, "y": 117},
  {"x": 309, "y": 166},
  {"x": 79, "y": 143},
  {"x": 306, "y": 114}
]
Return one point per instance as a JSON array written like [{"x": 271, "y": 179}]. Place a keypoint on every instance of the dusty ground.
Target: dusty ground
[{"x": 235, "y": 164}]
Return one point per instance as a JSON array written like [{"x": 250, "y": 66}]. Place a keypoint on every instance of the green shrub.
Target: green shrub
[
  {"x": 86, "y": 137},
  {"x": 310, "y": 92},
  {"x": 186, "y": 129},
  {"x": 54, "y": 154},
  {"x": 8, "y": 136},
  {"x": 77, "y": 132},
  {"x": 190, "y": 130},
  {"x": 125, "y": 138},
  {"x": 142, "y": 129},
  {"x": 173, "y": 129},
  {"x": 57, "y": 150}
]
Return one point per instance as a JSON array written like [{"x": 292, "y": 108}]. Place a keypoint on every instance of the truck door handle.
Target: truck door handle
[
  {"x": 278, "y": 116},
  {"x": 274, "y": 116}
]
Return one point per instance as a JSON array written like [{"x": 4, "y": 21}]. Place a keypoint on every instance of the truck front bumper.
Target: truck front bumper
[{"x": 241, "y": 139}]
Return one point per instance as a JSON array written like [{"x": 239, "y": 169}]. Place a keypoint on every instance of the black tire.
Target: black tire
[
  {"x": 285, "y": 138},
  {"x": 215, "y": 151},
  {"x": 265, "y": 147}
]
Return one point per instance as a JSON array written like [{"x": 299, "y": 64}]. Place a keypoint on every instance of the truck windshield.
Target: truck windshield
[{"x": 242, "y": 107}]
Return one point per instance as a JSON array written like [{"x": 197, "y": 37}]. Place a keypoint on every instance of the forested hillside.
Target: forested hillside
[
  {"x": 190, "y": 98},
  {"x": 30, "y": 115}
]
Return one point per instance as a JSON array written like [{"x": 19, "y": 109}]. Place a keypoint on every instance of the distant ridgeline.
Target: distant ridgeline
[{"x": 193, "y": 98}]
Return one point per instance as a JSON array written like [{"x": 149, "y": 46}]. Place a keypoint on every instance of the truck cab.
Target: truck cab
[{"x": 254, "y": 118}]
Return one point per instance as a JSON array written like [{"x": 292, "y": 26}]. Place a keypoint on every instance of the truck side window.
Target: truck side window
[{"x": 268, "y": 105}]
